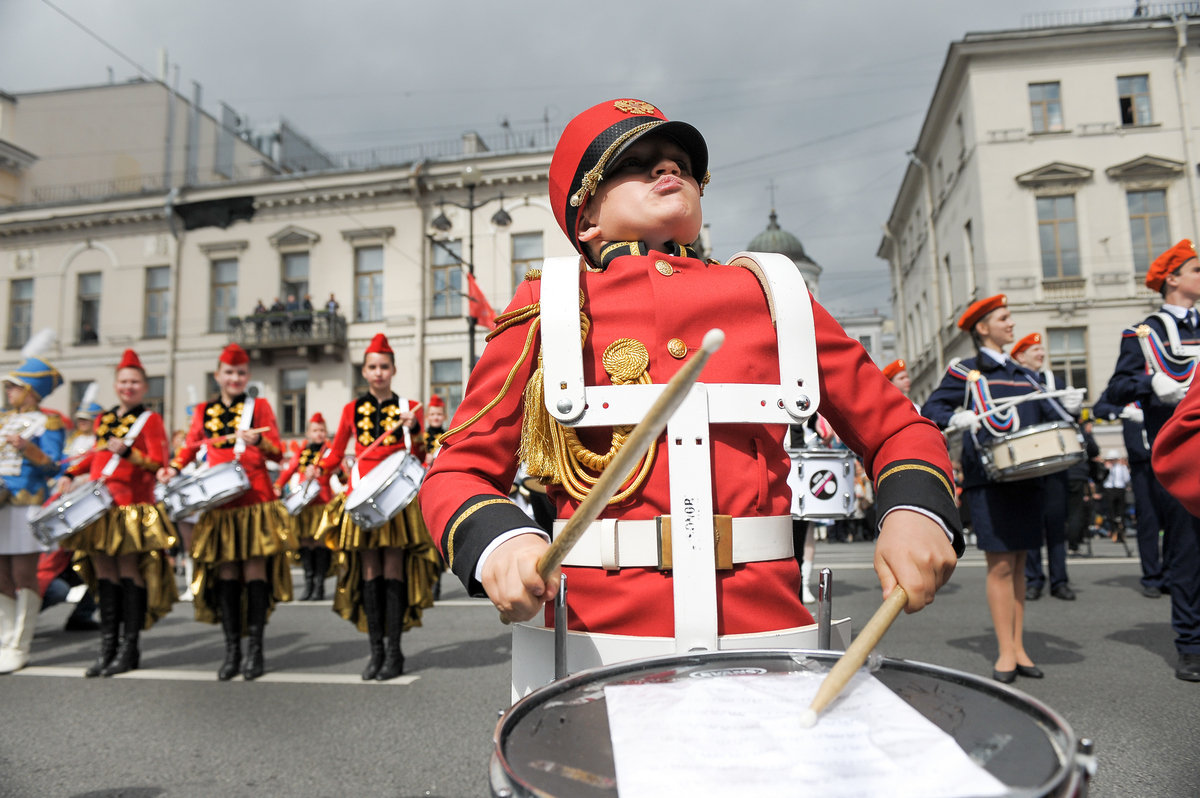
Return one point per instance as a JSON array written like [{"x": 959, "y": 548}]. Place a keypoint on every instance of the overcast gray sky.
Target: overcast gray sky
[{"x": 821, "y": 98}]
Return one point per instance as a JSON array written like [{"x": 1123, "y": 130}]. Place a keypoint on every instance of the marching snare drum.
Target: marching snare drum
[
  {"x": 71, "y": 512},
  {"x": 204, "y": 490},
  {"x": 555, "y": 741},
  {"x": 303, "y": 496},
  {"x": 386, "y": 490},
  {"x": 1033, "y": 451},
  {"x": 822, "y": 483}
]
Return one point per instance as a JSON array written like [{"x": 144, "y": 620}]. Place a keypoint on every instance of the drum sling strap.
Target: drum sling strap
[
  {"x": 244, "y": 422},
  {"x": 127, "y": 441}
]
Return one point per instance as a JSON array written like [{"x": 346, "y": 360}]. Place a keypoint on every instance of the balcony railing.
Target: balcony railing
[{"x": 290, "y": 329}]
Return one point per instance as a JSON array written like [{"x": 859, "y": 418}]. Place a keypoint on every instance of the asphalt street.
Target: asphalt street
[{"x": 311, "y": 727}]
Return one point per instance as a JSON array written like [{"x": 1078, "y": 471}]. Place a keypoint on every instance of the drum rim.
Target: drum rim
[
  {"x": 1043, "y": 426},
  {"x": 1066, "y": 741},
  {"x": 387, "y": 482}
]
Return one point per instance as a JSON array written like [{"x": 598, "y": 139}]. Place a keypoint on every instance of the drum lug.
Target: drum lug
[{"x": 1086, "y": 757}]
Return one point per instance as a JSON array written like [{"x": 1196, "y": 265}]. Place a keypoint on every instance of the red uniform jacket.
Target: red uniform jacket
[
  {"x": 1177, "y": 452},
  {"x": 366, "y": 418},
  {"x": 215, "y": 419},
  {"x": 133, "y": 480},
  {"x": 905, "y": 454},
  {"x": 300, "y": 461}
]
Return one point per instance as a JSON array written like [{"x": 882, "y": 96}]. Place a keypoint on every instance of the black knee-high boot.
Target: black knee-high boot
[
  {"x": 306, "y": 560},
  {"x": 372, "y": 590},
  {"x": 229, "y": 599},
  {"x": 397, "y": 606},
  {"x": 321, "y": 557},
  {"x": 132, "y": 619},
  {"x": 108, "y": 595},
  {"x": 257, "y": 599}
]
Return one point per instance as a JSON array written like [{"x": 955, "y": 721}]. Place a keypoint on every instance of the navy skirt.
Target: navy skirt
[{"x": 1006, "y": 516}]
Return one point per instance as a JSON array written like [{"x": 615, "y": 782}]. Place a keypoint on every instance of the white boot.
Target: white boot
[
  {"x": 8, "y": 619},
  {"x": 805, "y": 573},
  {"x": 16, "y": 654}
]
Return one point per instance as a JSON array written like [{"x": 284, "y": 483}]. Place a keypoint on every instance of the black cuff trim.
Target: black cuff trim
[
  {"x": 474, "y": 525},
  {"x": 916, "y": 483}
]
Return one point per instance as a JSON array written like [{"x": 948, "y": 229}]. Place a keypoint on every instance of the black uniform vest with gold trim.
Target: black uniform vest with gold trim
[
  {"x": 221, "y": 420},
  {"x": 373, "y": 418},
  {"x": 114, "y": 426}
]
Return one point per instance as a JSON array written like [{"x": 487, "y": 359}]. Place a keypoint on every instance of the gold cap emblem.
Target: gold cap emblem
[{"x": 635, "y": 107}]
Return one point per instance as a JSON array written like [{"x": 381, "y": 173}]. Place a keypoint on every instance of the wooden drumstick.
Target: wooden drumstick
[
  {"x": 629, "y": 454},
  {"x": 849, "y": 663}
]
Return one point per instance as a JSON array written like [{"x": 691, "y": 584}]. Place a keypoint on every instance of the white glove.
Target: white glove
[
  {"x": 964, "y": 420},
  {"x": 1168, "y": 390},
  {"x": 1072, "y": 400},
  {"x": 1133, "y": 414}
]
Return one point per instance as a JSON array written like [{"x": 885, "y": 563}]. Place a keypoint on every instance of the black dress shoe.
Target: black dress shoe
[
  {"x": 1029, "y": 671},
  {"x": 1008, "y": 677},
  {"x": 1063, "y": 592},
  {"x": 1152, "y": 592},
  {"x": 1033, "y": 593},
  {"x": 1188, "y": 668}
]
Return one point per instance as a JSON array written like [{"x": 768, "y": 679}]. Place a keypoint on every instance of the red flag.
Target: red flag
[{"x": 478, "y": 306}]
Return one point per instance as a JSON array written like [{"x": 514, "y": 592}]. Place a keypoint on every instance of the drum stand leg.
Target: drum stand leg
[
  {"x": 560, "y": 629},
  {"x": 825, "y": 610}
]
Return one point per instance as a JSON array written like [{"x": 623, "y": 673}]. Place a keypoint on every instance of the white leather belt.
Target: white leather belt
[{"x": 612, "y": 543}]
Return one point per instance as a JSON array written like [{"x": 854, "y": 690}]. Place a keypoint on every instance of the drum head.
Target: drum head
[{"x": 555, "y": 741}]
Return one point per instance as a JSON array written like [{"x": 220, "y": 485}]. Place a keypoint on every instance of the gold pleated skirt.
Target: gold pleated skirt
[
  {"x": 156, "y": 571},
  {"x": 237, "y": 534},
  {"x": 132, "y": 529},
  {"x": 309, "y": 523},
  {"x": 407, "y": 531}
]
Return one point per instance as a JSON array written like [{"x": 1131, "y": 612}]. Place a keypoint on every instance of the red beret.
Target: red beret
[
  {"x": 234, "y": 355},
  {"x": 130, "y": 360},
  {"x": 379, "y": 345},
  {"x": 1025, "y": 343},
  {"x": 317, "y": 418},
  {"x": 590, "y": 144},
  {"x": 894, "y": 368},
  {"x": 1168, "y": 262},
  {"x": 975, "y": 313},
  {"x": 436, "y": 401}
]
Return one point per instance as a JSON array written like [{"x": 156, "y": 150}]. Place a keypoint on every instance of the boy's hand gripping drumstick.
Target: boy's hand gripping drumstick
[{"x": 841, "y": 672}]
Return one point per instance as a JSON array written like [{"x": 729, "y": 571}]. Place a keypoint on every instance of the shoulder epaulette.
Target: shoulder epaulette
[{"x": 54, "y": 421}]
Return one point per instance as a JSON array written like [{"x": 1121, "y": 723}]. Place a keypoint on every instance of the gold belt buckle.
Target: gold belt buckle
[{"x": 722, "y": 541}]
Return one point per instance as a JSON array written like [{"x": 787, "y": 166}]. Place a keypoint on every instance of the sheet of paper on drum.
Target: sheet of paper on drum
[{"x": 741, "y": 735}]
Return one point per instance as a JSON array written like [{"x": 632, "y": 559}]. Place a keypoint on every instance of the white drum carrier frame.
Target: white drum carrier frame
[{"x": 575, "y": 404}]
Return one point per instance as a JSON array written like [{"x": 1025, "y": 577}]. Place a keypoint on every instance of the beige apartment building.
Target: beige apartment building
[
  {"x": 112, "y": 243},
  {"x": 1054, "y": 163}
]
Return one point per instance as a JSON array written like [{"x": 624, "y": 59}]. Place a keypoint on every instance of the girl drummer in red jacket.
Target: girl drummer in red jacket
[
  {"x": 246, "y": 539},
  {"x": 315, "y": 558},
  {"x": 125, "y": 547},
  {"x": 390, "y": 569}
]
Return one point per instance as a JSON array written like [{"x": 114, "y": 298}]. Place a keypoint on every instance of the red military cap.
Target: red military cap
[
  {"x": 130, "y": 360},
  {"x": 379, "y": 345},
  {"x": 591, "y": 143},
  {"x": 317, "y": 418},
  {"x": 975, "y": 313},
  {"x": 234, "y": 355},
  {"x": 1168, "y": 262},
  {"x": 436, "y": 401},
  {"x": 894, "y": 368},
  {"x": 1025, "y": 343}
]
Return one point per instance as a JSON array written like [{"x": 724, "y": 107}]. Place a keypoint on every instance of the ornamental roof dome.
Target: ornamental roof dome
[{"x": 776, "y": 239}]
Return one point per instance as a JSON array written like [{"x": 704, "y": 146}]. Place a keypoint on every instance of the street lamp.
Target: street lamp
[{"x": 470, "y": 179}]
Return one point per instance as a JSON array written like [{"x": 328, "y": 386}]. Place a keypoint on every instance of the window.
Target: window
[
  {"x": 293, "y": 406},
  {"x": 155, "y": 398},
  {"x": 1067, "y": 347},
  {"x": 447, "y": 383},
  {"x": 1148, "y": 228},
  {"x": 295, "y": 275},
  {"x": 1045, "y": 104},
  {"x": 368, "y": 284},
  {"x": 77, "y": 390},
  {"x": 20, "y": 312},
  {"x": 1059, "y": 240},
  {"x": 447, "y": 278},
  {"x": 526, "y": 255},
  {"x": 1133, "y": 93},
  {"x": 89, "y": 308},
  {"x": 158, "y": 281},
  {"x": 969, "y": 247},
  {"x": 360, "y": 382},
  {"x": 867, "y": 343},
  {"x": 223, "y": 293}
]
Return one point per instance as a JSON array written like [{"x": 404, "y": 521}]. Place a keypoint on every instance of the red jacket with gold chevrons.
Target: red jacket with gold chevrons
[
  {"x": 215, "y": 419},
  {"x": 365, "y": 419},
  {"x": 132, "y": 482}
]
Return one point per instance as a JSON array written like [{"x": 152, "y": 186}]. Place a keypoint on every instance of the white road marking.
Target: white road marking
[{"x": 181, "y": 675}]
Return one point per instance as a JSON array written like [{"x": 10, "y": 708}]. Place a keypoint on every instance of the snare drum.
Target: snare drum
[
  {"x": 300, "y": 498},
  {"x": 822, "y": 483},
  {"x": 204, "y": 490},
  {"x": 1033, "y": 451},
  {"x": 555, "y": 741},
  {"x": 386, "y": 490},
  {"x": 71, "y": 512}
]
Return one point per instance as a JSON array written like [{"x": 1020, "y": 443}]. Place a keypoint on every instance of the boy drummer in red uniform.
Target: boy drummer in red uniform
[{"x": 625, "y": 187}]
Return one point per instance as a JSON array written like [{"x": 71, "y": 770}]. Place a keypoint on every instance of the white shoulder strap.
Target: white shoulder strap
[
  {"x": 130, "y": 437},
  {"x": 245, "y": 421},
  {"x": 1172, "y": 327},
  {"x": 562, "y": 356}
]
